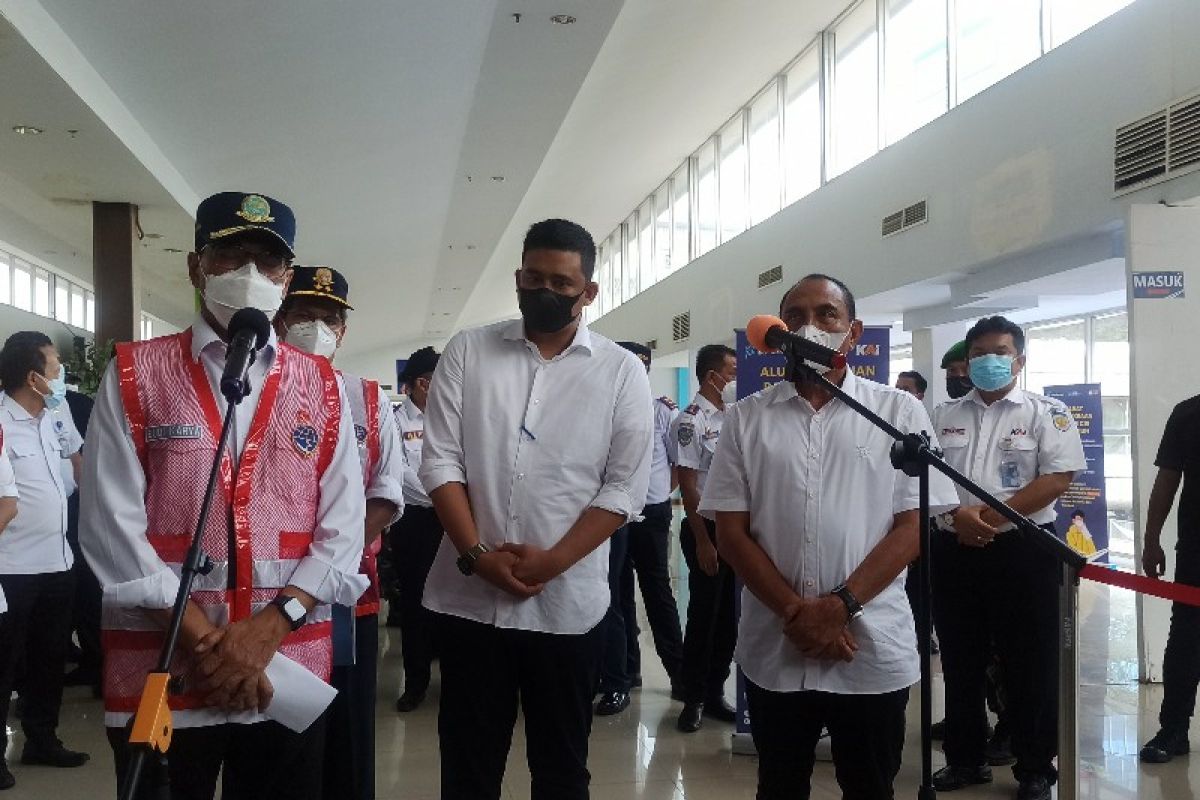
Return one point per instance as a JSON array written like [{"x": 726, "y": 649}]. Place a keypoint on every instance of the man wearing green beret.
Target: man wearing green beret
[{"x": 958, "y": 381}]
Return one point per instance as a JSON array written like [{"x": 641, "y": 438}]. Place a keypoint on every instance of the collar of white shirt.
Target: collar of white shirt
[
  {"x": 786, "y": 391},
  {"x": 15, "y": 409},
  {"x": 515, "y": 332},
  {"x": 1016, "y": 396},
  {"x": 707, "y": 406},
  {"x": 203, "y": 337}
]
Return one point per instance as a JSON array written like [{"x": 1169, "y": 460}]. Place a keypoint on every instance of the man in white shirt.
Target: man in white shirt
[
  {"x": 711, "y": 631},
  {"x": 537, "y": 448},
  {"x": 415, "y": 539},
  {"x": 820, "y": 528},
  {"x": 990, "y": 583},
  {"x": 285, "y": 532},
  {"x": 35, "y": 558},
  {"x": 313, "y": 318}
]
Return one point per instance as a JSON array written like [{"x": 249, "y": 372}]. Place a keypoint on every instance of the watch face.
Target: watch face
[{"x": 294, "y": 609}]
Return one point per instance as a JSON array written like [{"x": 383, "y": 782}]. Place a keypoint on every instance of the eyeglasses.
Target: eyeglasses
[{"x": 231, "y": 257}]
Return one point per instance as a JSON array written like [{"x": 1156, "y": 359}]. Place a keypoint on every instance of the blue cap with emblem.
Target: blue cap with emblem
[{"x": 227, "y": 214}]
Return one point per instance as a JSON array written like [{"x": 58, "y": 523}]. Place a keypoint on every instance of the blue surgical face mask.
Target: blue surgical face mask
[
  {"x": 58, "y": 392},
  {"x": 991, "y": 372}
]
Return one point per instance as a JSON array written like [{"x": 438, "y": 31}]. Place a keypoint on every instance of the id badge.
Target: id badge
[{"x": 1010, "y": 475}]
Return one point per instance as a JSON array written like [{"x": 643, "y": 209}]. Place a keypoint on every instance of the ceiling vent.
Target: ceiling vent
[
  {"x": 773, "y": 275},
  {"x": 1158, "y": 147},
  {"x": 681, "y": 327},
  {"x": 905, "y": 218}
]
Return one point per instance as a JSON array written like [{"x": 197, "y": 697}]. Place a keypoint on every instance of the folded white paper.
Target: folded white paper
[{"x": 300, "y": 696}]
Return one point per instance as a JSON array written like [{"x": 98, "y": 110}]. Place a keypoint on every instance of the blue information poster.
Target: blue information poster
[
  {"x": 1083, "y": 509},
  {"x": 757, "y": 371}
]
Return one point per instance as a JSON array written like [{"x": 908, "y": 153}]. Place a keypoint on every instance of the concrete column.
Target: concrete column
[
  {"x": 929, "y": 345},
  {"x": 114, "y": 273},
  {"x": 1160, "y": 239}
]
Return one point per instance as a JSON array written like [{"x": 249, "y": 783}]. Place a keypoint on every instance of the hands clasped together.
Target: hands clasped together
[
  {"x": 522, "y": 570},
  {"x": 229, "y": 664},
  {"x": 818, "y": 628}
]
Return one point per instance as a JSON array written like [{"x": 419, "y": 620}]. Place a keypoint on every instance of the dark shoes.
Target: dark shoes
[
  {"x": 1164, "y": 746},
  {"x": 7, "y": 781},
  {"x": 691, "y": 719},
  {"x": 409, "y": 701},
  {"x": 612, "y": 703},
  {"x": 998, "y": 750},
  {"x": 718, "y": 708},
  {"x": 52, "y": 754},
  {"x": 949, "y": 779},
  {"x": 1034, "y": 788},
  {"x": 676, "y": 692}
]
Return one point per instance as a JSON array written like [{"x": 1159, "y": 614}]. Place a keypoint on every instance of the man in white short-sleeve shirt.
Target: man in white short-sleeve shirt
[
  {"x": 990, "y": 583},
  {"x": 820, "y": 528}
]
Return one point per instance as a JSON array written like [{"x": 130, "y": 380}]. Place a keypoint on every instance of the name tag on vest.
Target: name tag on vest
[{"x": 158, "y": 433}]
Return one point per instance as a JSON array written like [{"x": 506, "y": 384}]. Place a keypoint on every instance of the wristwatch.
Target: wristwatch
[
  {"x": 292, "y": 609},
  {"x": 853, "y": 607},
  {"x": 466, "y": 562}
]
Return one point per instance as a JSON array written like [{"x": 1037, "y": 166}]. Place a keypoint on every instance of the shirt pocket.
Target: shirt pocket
[
  {"x": 1018, "y": 461},
  {"x": 953, "y": 441}
]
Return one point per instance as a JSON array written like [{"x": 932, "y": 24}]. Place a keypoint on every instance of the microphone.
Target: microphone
[
  {"x": 768, "y": 334},
  {"x": 248, "y": 332}
]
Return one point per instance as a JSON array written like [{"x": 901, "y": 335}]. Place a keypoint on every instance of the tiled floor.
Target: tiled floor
[{"x": 638, "y": 754}]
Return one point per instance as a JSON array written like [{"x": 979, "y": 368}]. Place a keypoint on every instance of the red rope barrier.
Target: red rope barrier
[{"x": 1167, "y": 590}]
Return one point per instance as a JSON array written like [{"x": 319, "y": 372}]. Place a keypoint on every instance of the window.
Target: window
[
  {"x": 681, "y": 218},
  {"x": 732, "y": 182},
  {"x": 645, "y": 239},
  {"x": 615, "y": 272},
  {"x": 764, "y": 154},
  {"x": 78, "y": 315},
  {"x": 62, "y": 302},
  {"x": 706, "y": 197},
  {"x": 632, "y": 259},
  {"x": 900, "y": 360},
  {"x": 22, "y": 285},
  {"x": 1057, "y": 354},
  {"x": 5, "y": 279},
  {"x": 994, "y": 38},
  {"x": 89, "y": 321},
  {"x": 915, "y": 59},
  {"x": 1069, "y": 18},
  {"x": 41, "y": 292},
  {"x": 662, "y": 231},
  {"x": 855, "y": 88},
  {"x": 802, "y": 126},
  {"x": 1110, "y": 355}
]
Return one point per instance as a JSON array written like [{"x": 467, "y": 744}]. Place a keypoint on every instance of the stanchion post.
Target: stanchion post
[{"x": 1068, "y": 684}]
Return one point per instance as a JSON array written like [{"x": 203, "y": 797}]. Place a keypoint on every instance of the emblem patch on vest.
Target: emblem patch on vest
[
  {"x": 158, "y": 433},
  {"x": 305, "y": 439},
  {"x": 360, "y": 433}
]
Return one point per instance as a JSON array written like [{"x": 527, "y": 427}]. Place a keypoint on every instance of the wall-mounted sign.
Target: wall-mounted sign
[{"x": 1157, "y": 285}]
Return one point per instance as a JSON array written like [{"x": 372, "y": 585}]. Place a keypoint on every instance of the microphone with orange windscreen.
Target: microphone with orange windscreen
[{"x": 768, "y": 334}]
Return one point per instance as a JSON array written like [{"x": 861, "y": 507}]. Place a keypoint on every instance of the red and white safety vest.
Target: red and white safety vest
[
  {"x": 268, "y": 508},
  {"x": 363, "y": 397}
]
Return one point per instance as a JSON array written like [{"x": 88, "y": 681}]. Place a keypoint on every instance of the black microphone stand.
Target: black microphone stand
[
  {"x": 152, "y": 728},
  {"x": 914, "y": 455}
]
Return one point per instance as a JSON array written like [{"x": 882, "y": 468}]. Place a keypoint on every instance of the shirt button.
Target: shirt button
[
  {"x": 515, "y": 517},
  {"x": 808, "y": 583},
  {"x": 537, "y": 402},
  {"x": 520, "y": 476}
]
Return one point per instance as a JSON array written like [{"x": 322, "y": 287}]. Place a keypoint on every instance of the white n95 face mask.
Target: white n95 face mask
[
  {"x": 824, "y": 338},
  {"x": 313, "y": 337},
  {"x": 729, "y": 394},
  {"x": 230, "y": 292}
]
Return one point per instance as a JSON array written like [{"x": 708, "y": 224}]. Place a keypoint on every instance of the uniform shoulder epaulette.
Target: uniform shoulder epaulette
[
  {"x": 668, "y": 402},
  {"x": 693, "y": 409}
]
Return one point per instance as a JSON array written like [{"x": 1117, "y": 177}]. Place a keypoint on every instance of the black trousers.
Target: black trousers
[
  {"x": 486, "y": 673},
  {"x": 865, "y": 730},
  {"x": 263, "y": 760},
  {"x": 614, "y": 668},
  {"x": 649, "y": 557},
  {"x": 414, "y": 542},
  {"x": 1004, "y": 595},
  {"x": 711, "y": 632},
  {"x": 350, "y": 738},
  {"x": 33, "y": 635},
  {"x": 85, "y": 611},
  {"x": 1181, "y": 661}
]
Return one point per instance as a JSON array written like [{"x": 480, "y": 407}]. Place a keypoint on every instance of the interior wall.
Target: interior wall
[
  {"x": 1160, "y": 239},
  {"x": 1022, "y": 167}
]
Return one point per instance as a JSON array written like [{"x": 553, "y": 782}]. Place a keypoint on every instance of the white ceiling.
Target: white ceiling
[{"x": 382, "y": 123}]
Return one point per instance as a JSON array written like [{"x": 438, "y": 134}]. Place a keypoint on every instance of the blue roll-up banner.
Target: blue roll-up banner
[
  {"x": 401, "y": 363},
  {"x": 1083, "y": 509},
  {"x": 757, "y": 371}
]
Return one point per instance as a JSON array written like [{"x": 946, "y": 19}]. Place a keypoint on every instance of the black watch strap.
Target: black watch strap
[
  {"x": 853, "y": 607},
  {"x": 466, "y": 562}
]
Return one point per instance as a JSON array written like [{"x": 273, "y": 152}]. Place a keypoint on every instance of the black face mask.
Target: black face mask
[
  {"x": 546, "y": 311},
  {"x": 958, "y": 386}
]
